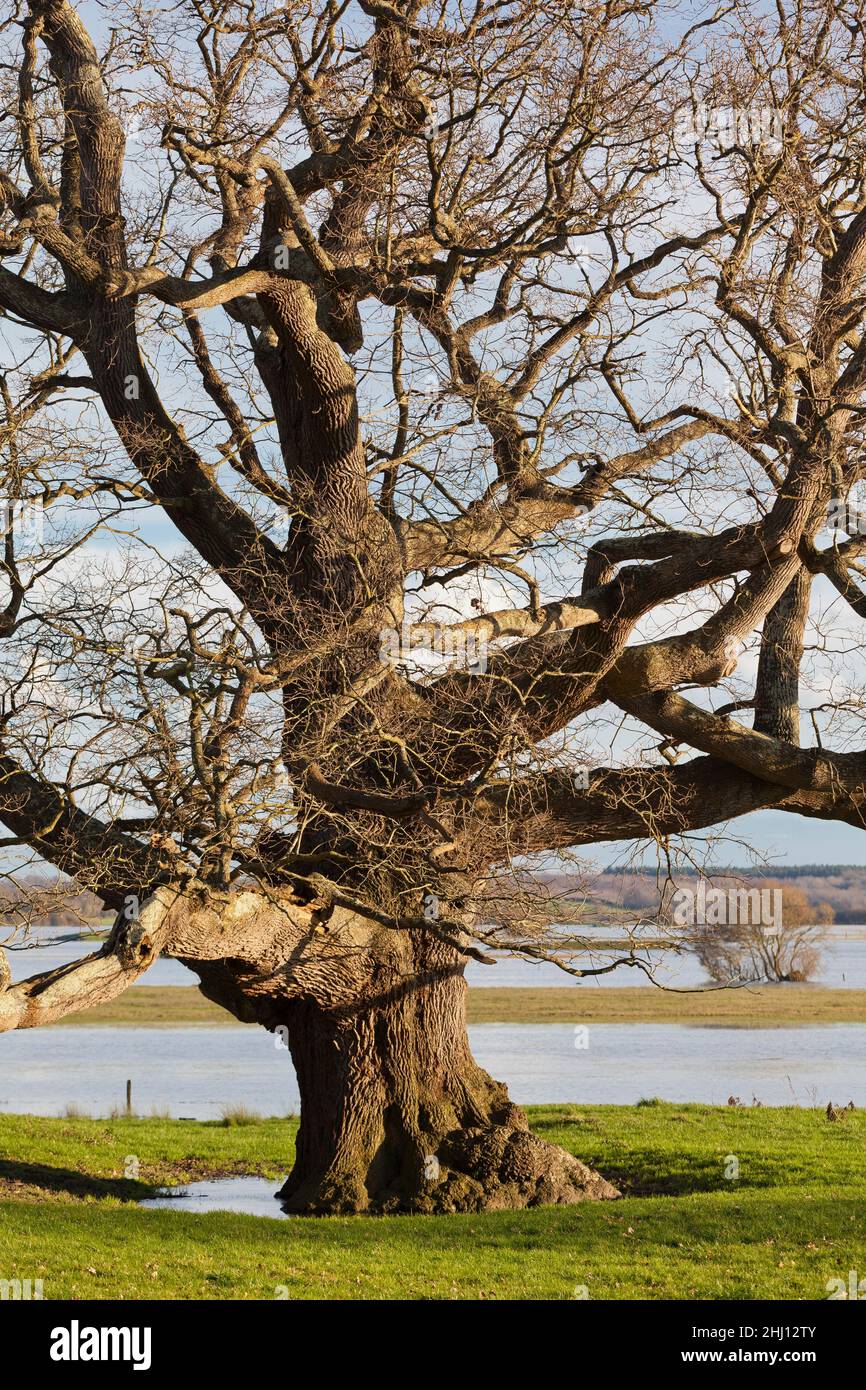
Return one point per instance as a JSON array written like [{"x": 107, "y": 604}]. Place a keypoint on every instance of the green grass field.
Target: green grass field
[
  {"x": 769, "y": 1006},
  {"x": 794, "y": 1218}
]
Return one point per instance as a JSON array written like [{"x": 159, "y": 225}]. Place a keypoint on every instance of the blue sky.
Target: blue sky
[{"x": 775, "y": 836}]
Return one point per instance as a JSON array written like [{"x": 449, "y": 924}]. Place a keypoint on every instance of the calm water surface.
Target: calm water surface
[
  {"x": 199, "y": 1072},
  {"x": 253, "y": 1196}
]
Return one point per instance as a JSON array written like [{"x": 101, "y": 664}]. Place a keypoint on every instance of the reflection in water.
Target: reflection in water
[{"x": 197, "y": 1072}]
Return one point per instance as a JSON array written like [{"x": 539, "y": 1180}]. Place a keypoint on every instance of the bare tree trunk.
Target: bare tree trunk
[
  {"x": 777, "y": 692},
  {"x": 396, "y": 1115}
]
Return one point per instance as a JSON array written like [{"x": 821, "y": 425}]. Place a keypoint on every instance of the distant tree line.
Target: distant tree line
[
  {"x": 842, "y": 887},
  {"x": 52, "y": 901}
]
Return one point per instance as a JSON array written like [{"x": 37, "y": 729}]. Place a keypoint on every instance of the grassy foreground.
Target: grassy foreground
[
  {"x": 762, "y": 1006},
  {"x": 794, "y": 1218}
]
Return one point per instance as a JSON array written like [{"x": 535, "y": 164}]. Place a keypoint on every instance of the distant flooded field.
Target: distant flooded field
[
  {"x": 200, "y": 1072},
  {"x": 843, "y": 964}
]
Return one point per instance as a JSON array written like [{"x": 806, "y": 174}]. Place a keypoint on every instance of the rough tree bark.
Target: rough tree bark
[{"x": 396, "y": 1115}]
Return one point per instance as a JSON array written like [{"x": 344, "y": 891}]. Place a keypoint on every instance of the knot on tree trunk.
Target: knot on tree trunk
[{"x": 497, "y": 1168}]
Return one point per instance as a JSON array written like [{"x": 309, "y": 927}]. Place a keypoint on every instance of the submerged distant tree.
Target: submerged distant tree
[
  {"x": 752, "y": 951},
  {"x": 416, "y": 401}
]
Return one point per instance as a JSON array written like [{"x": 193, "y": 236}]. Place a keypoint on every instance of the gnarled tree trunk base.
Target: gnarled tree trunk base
[
  {"x": 498, "y": 1168},
  {"x": 495, "y": 1168},
  {"x": 396, "y": 1115}
]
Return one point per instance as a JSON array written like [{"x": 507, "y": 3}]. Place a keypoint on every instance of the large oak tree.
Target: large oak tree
[{"x": 471, "y": 326}]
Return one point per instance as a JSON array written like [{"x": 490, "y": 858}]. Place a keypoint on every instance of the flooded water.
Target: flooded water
[
  {"x": 253, "y": 1196},
  {"x": 843, "y": 965},
  {"x": 198, "y": 1073}
]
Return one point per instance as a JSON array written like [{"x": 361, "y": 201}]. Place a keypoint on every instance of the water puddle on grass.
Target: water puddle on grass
[{"x": 252, "y": 1196}]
